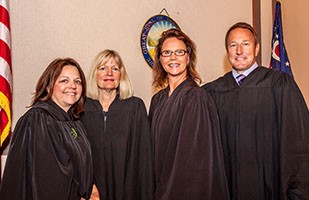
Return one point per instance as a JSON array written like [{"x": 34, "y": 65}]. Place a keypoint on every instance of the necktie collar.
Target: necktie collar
[{"x": 240, "y": 78}]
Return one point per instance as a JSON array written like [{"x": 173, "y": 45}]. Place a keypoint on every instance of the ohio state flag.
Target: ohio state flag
[{"x": 279, "y": 57}]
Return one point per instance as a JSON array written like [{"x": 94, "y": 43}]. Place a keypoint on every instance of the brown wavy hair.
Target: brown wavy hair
[
  {"x": 45, "y": 85},
  {"x": 160, "y": 79}
]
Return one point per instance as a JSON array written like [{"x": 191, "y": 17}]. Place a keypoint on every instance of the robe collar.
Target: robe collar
[
  {"x": 54, "y": 110},
  {"x": 188, "y": 81}
]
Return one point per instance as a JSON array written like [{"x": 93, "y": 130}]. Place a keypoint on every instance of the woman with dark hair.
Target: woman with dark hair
[
  {"x": 185, "y": 126},
  {"x": 119, "y": 132},
  {"x": 50, "y": 156}
]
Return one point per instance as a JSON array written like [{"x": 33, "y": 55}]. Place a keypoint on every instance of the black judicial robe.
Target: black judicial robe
[
  {"x": 46, "y": 161},
  {"x": 265, "y": 135},
  {"x": 188, "y": 153},
  {"x": 121, "y": 147}
]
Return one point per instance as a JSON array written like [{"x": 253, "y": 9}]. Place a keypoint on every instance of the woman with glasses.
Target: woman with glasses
[
  {"x": 119, "y": 132},
  {"x": 184, "y": 123}
]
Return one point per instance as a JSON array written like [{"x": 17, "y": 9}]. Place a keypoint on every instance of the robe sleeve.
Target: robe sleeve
[
  {"x": 152, "y": 106},
  {"x": 140, "y": 163},
  {"x": 293, "y": 123},
  {"x": 33, "y": 170}
]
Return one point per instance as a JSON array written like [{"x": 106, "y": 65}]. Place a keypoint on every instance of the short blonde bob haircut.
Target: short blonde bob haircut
[{"x": 124, "y": 90}]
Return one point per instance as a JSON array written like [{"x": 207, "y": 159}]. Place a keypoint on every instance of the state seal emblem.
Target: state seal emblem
[{"x": 151, "y": 33}]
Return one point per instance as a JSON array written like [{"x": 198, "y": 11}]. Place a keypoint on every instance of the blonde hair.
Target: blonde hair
[{"x": 125, "y": 89}]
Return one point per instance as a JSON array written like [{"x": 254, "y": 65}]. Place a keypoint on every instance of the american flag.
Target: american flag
[
  {"x": 279, "y": 57},
  {"x": 5, "y": 72}
]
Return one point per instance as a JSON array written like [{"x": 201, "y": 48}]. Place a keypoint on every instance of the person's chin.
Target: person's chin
[{"x": 72, "y": 101}]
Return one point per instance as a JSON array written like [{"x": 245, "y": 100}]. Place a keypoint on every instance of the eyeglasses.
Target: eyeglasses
[{"x": 178, "y": 52}]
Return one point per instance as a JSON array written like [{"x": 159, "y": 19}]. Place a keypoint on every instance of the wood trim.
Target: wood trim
[
  {"x": 274, "y": 8},
  {"x": 256, "y": 18}
]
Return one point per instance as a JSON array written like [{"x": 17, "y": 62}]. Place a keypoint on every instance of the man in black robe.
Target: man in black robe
[{"x": 264, "y": 124}]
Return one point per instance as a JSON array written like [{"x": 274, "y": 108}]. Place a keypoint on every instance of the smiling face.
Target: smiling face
[
  {"x": 68, "y": 87},
  {"x": 108, "y": 75},
  {"x": 175, "y": 66},
  {"x": 241, "y": 49}
]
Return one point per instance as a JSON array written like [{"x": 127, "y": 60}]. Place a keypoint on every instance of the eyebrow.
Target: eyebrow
[
  {"x": 116, "y": 65},
  {"x": 69, "y": 77},
  {"x": 233, "y": 41}
]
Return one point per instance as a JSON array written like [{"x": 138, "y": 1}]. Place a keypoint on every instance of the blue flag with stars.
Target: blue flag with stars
[{"x": 279, "y": 57}]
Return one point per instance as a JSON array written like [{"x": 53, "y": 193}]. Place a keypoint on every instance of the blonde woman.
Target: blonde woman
[{"x": 119, "y": 132}]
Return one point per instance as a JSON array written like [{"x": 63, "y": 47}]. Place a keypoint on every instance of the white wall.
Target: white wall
[
  {"x": 46, "y": 29},
  {"x": 296, "y": 31}
]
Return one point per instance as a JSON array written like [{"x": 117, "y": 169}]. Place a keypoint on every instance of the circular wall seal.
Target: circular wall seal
[{"x": 151, "y": 33}]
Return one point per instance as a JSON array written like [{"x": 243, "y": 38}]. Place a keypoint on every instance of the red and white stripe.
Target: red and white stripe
[{"x": 5, "y": 71}]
